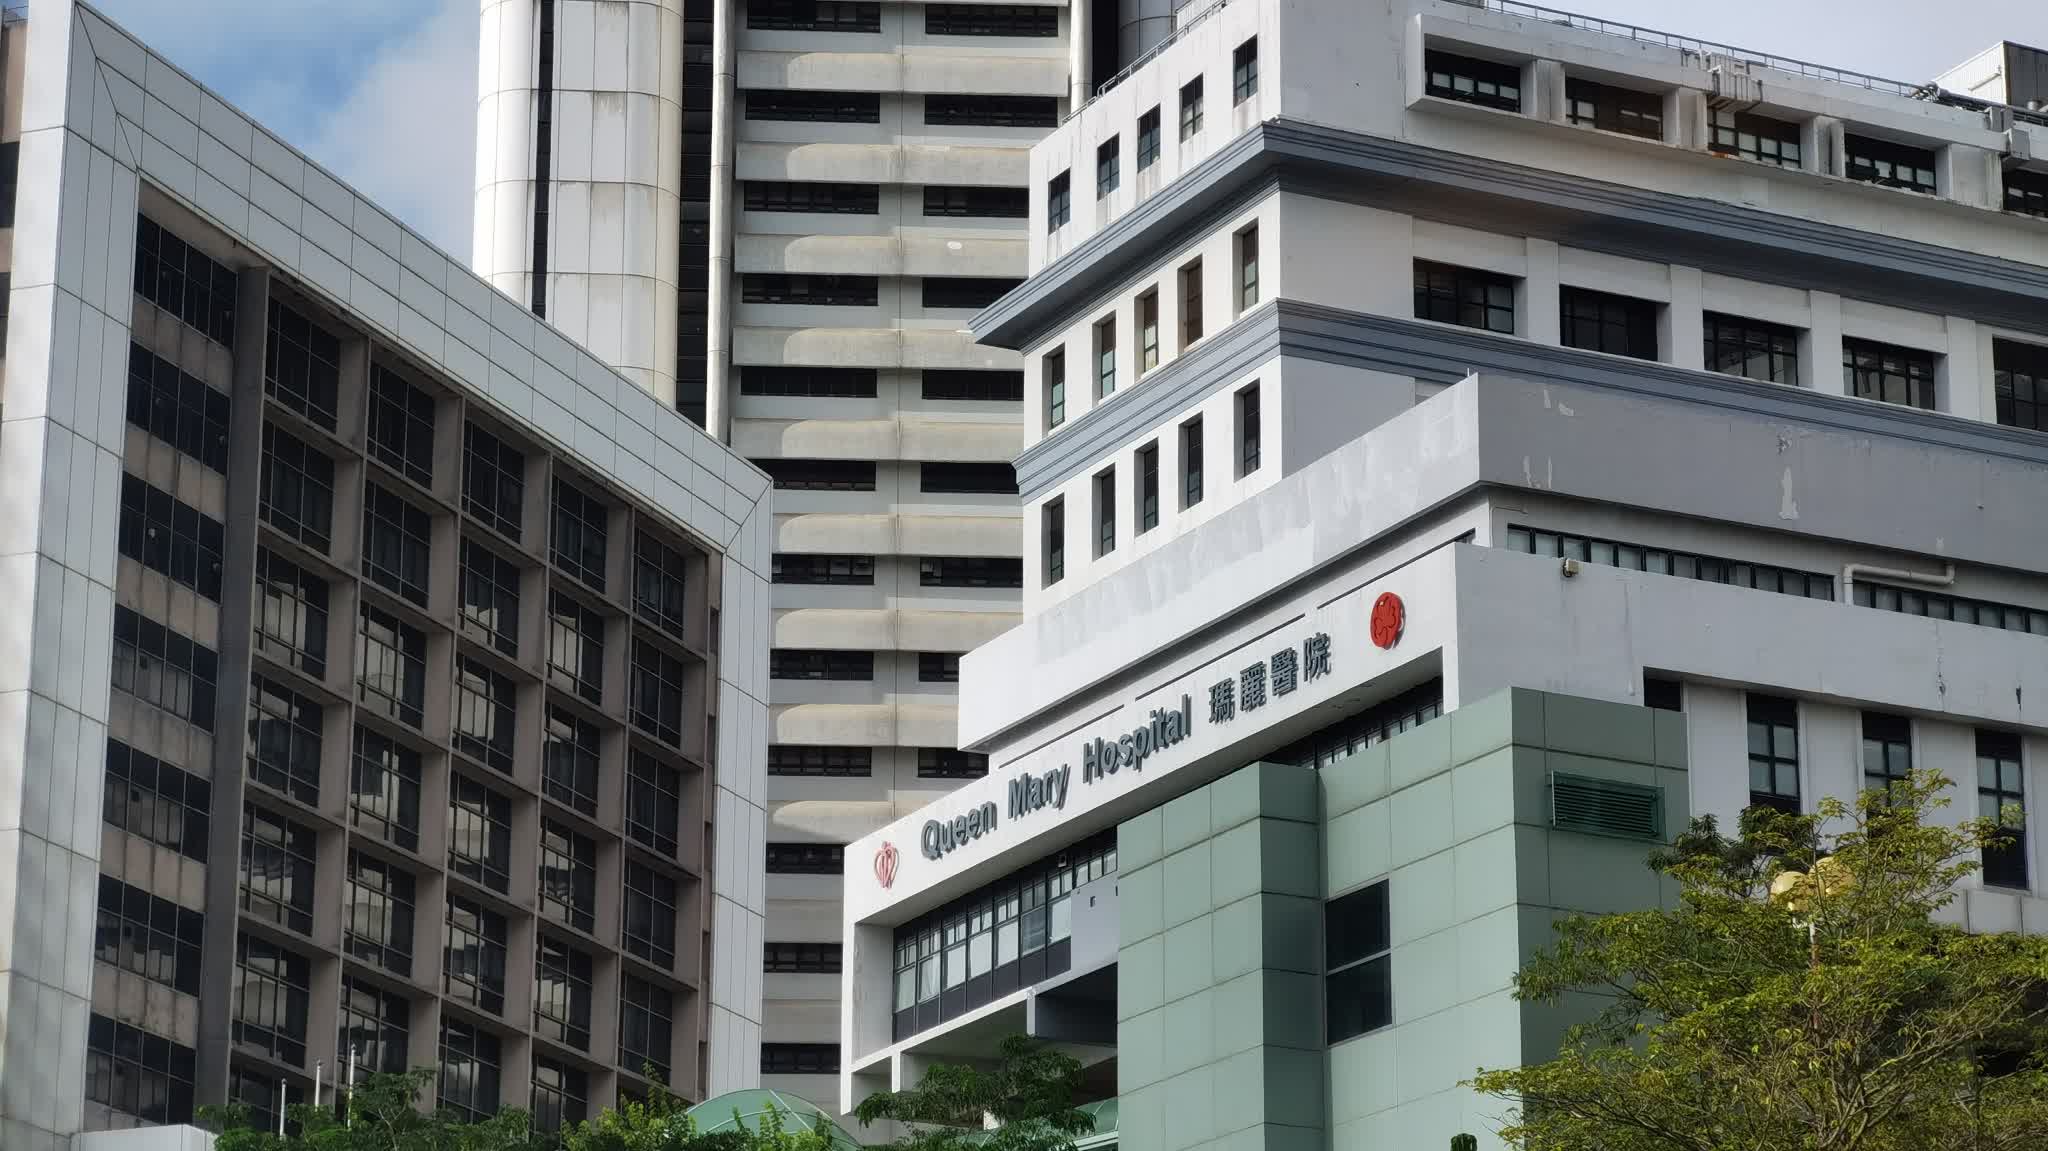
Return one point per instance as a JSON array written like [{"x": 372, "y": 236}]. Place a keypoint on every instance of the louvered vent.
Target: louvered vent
[{"x": 1605, "y": 807}]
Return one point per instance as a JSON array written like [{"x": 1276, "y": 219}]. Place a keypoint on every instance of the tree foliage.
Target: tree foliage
[
  {"x": 1837, "y": 1016},
  {"x": 1028, "y": 1094}
]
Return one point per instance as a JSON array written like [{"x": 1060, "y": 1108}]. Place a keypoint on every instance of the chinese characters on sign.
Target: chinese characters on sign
[{"x": 1282, "y": 672}]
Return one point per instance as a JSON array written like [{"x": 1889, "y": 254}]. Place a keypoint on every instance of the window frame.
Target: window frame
[
  {"x": 1877, "y": 371},
  {"x": 1363, "y": 957},
  {"x": 1244, "y": 71},
  {"x": 1190, "y": 109},
  {"x": 1724, "y": 332},
  {"x": 1109, "y": 168},
  {"x": 1774, "y": 719},
  {"x": 1608, "y": 315},
  {"x": 1447, "y": 293},
  {"x": 1105, "y": 511}
]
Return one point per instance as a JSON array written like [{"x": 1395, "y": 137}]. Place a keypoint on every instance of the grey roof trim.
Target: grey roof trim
[
  {"x": 1454, "y": 187},
  {"x": 1444, "y": 354}
]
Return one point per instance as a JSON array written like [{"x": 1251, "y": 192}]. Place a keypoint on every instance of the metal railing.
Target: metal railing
[{"x": 1149, "y": 55}]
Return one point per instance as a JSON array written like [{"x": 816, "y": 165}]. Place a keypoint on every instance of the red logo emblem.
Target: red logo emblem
[
  {"x": 1389, "y": 618},
  {"x": 885, "y": 865}
]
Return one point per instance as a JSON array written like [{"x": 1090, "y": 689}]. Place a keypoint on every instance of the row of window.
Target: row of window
[
  {"x": 860, "y": 383},
  {"x": 171, "y": 537},
  {"x": 163, "y": 669},
  {"x": 830, "y": 664},
  {"x": 933, "y": 571},
  {"x": 959, "y": 201},
  {"x": 178, "y": 408},
  {"x": 807, "y": 475},
  {"x": 1032, "y": 20},
  {"x": 963, "y": 292},
  {"x": 866, "y": 108},
  {"x": 793, "y": 759}
]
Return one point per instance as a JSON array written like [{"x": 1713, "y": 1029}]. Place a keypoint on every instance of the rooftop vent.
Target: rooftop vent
[{"x": 1606, "y": 807}]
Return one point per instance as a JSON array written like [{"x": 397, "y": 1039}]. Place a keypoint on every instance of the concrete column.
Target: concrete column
[
  {"x": 718, "y": 310},
  {"x": 1681, "y": 334},
  {"x": 1539, "y": 305},
  {"x": 501, "y": 241},
  {"x": 1685, "y": 118},
  {"x": 1717, "y": 741},
  {"x": 1821, "y": 146},
  {"x": 1964, "y": 385},
  {"x": 1820, "y": 350},
  {"x": 1543, "y": 90},
  {"x": 1830, "y": 753},
  {"x": 1080, "y": 45}
]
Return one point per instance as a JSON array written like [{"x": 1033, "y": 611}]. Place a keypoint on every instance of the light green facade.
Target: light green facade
[{"x": 1220, "y": 1014}]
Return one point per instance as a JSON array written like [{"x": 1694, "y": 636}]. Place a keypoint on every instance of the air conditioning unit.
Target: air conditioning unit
[{"x": 1733, "y": 87}]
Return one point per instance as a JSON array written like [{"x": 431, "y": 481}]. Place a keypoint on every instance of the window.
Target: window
[
  {"x": 799, "y": 1059},
  {"x": 396, "y": 542},
  {"x": 392, "y": 679},
  {"x": 291, "y": 614},
  {"x": 1059, "y": 201},
  {"x": 1054, "y": 530},
  {"x": 1191, "y": 463},
  {"x": 800, "y": 759},
  {"x": 645, "y": 1039},
  {"x": 1888, "y": 373},
  {"x": 139, "y": 1074},
  {"x": 1055, "y": 378},
  {"x": 1374, "y": 724},
  {"x": 485, "y": 714},
  {"x": 659, "y": 572},
  {"x": 1891, "y": 165},
  {"x": 1358, "y": 984},
  {"x": 964, "y": 291},
  {"x": 970, "y": 571},
  {"x": 814, "y": 16},
  {"x": 179, "y": 409},
  {"x": 649, "y": 929},
  {"x": 1663, "y": 694},
  {"x": 1148, "y": 331},
  {"x": 171, "y": 537},
  {"x": 1464, "y": 296},
  {"x": 653, "y": 804},
  {"x": 569, "y": 760},
  {"x": 995, "y": 479},
  {"x": 469, "y": 1070},
  {"x": 151, "y": 936},
  {"x": 1190, "y": 304},
  {"x": 791, "y": 196},
  {"x": 479, "y": 833},
  {"x": 1601, "y": 322},
  {"x": 2026, "y": 192},
  {"x": 284, "y": 740},
  {"x": 1611, "y": 109},
  {"x": 806, "y": 859},
  {"x": 401, "y": 425},
  {"x": 1244, "y": 71},
  {"x": 971, "y": 201},
  {"x": 950, "y": 763},
  {"x": 160, "y": 803},
  {"x": 791, "y": 568},
  {"x": 1247, "y": 431},
  {"x": 301, "y": 365},
  {"x": 378, "y": 923},
  {"x": 297, "y": 489},
  {"x": 1774, "y": 753},
  {"x": 561, "y": 1093},
  {"x": 384, "y": 789},
  {"x": 2002, "y": 799},
  {"x": 938, "y": 667},
  {"x": 568, "y": 876},
  {"x": 493, "y": 481},
  {"x": 1146, "y": 493},
  {"x": 820, "y": 475},
  {"x": 1472, "y": 81},
  {"x": 490, "y": 597},
  {"x": 992, "y": 111},
  {"x": 271, "y": 997},
  {"x": 801, "y": 958},
  {"x": 970, "y": 384},
  {"x": 473, "y": 966},
  {"x": 1190, "y": 109},
  {"x": 1105, "y": 358},
  {"x": 163, "y": 669},
  {"x": 1755, "y": 137},
  {"x": 1887, "y": 750},
  {"x": 277, "y": 869},
  {"x": 835, "y": 291},
  {"x": 176, "y": 277},
  {"x": 1752, "y": 349},
  {"x": 1105, "y": 512},
  {"x": 580, "y": 535},
  {"x": 991, "y": 20},
  {"x": 1684, "y": 565},
  {"x": 561, "y": 994},
  {"x": 575, "y": 647},
  {"x": 375, "y": 1026},
  {"x": 808, "y": 383},
  {"x": 1108, "y": 167},
  {"x": 1248, "y": 268},
  {"x": 2020, "y": 375},
  {"x": 816, "y": 107},
  {"x": 1148, "y": 138},
  {"x": 656, "y": 706},
  {"x": 801, "y": 663}
]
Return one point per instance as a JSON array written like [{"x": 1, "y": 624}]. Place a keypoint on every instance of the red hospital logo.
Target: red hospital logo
[
  {"x": 885, "y": 865},
  {"x": 1389, "y": 619}
]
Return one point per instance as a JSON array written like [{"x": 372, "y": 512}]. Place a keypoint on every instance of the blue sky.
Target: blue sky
[{"x": 383, "y": 92}]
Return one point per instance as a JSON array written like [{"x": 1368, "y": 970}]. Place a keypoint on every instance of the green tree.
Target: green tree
[
  {"x": 1799, "y": 996},
  {"x": 1029, "y": 1094}
]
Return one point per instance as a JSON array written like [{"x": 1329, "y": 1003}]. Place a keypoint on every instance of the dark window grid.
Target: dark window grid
[
  {"x": 796, "y": 196},
  {"x": 1664, "y": 561},
  {"x": 972, "y": 479},
  {"x": 992, "y": 111},
  {"x": 261, "y": 1094},
  {"x": 149, "y": 935},
  {"x": 1590, "y": 104},
  {"x": 972, "y": 201},
  {"x": 1191, "y": 108},
  {"x": 1887, "y": 750},
  {"x": 1358, "y": 989},
  {"x": 561, "y": 993},
  {"x": 970, "y": 384},
  {"x": 660, "y": 585},
  {"x": 1059, "y": 201},
  {"x": 163, "y": 669},
  {"x": 1248, "y": 431},
  {"x": 397, "y": 544},
  {"x": 473, "y": 965},
  {"x": 813, "y": 663},
  {"x": 1891, "y": 165},
  {"x": 2020, "y": 381},
  {"x": 1105, "y": 359},
  {"x": 384, "y": 789},
  {"x": 490, "y": 597},
  {"x": 818, "y": 760},
  {"x": 815, "y": 107},
  {"x": 1464, "y": 296},
  {"x": 136, "y": 1073},
  {"x": 161, "y": 803},
  {"x": 272, "y": 996},
  {"x": 1190, "y": 304},
  {"x": 479, "y": 833},
  {"x": 806, "y": 859},
  {"x": 646, "y": 1026},
  {"x": 789, "y": 568},
  {"x": 277, "y": 870},
  {"x": 653, "y": 804},
  {"x": 176, "y": 277},
  {"x": 378, "y": 923},
  {"x": 793, "y": 475},
  {"x": 284, "y": 740},
  {"x": 178, "y": 408},
  {"x": 401, "y": 425},
  {"x": 1148, "y": 139},
  {"x": 648, "y": 926},
  {"x": 842, "y": 291},
  {"x": 1472, "y": 81},
  {"x": 1248, "y": 268},
  {"x": 801, "y": 958},
  {"x": 581, "y": 532},
  {"x": 815, "y": 15},
  {"x": 1055, "y": 528},
  {"x": 799, "y": 1059},
  {"x": 1888, "y": 373},
  {"x": 1752, "y": 349},
  {"x": 1146, "y": 497},
  {"x": 470, "y": 1070},
  {"x": 568, "y": 876},
  {"x": 2026, "y": 192},
  {"x": 809, "y": 383},
  {"x": 1774, "y": 753},
  {"x": 938, "y": 667},
  {"x": 170, "y": 537},
  {"x": 486, "y": 714},
  {"x": 561, "y": 1094},
  {"x": 1600, "y": 322},
  {"x": 1055, "y": 370},
  {"x": 2002, "y": 799},
  {"x": 301, "y": 365},
  {"x": 375, "y": 1028},
  {"x": 1376, "y": 724},
  {"x": 1935, "y": 605},
  {"x": 991, "y": 20},
  {"x": 1148, "y": 332},
  {"x": 297, "y": 490},
  {"x": 970, "y": 571},
  {"x": 1244, "y": 71},
  {"x": 950, "y": 763},
  {"x": 1757, "y": 138},
  {"x": 392, "y": 666},
  {"x": 656, "y": 704},
  {"x": 1108, "y": 166},
  {"x": 291, "y": 614},
  {"x": 569, "y": 760},
  {"x": 576, "y": 647},
  {"x": 493, "y": 481},
  {"x": 1191, "y": 463}
]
